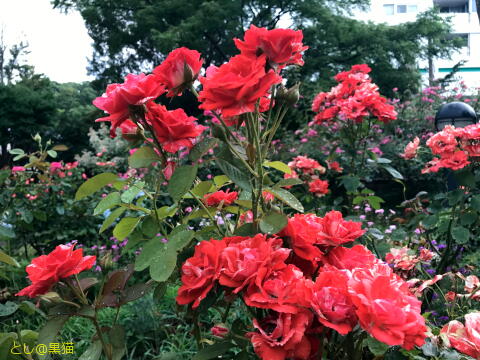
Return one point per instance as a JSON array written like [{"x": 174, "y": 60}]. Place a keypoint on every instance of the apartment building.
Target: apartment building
[{"x": 465, "y": 25}]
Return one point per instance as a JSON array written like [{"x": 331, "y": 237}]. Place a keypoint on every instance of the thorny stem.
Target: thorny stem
[{"x": 106, "y": 350}]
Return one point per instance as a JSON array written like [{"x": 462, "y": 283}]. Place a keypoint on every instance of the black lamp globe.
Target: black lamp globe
[{"x": 455, "y": 113}]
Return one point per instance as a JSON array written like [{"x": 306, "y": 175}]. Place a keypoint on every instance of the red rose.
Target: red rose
[
  {"x": 350, "y": 258},
  {"x": 200, "y": 272},
  {"x": 46, "y": 270},
  {"x": 282, "y": 336},
  {"x": 455, "y": 161},
  {"x": 136, "y": 90},
  {"x": 470, "y": 136},
  {"x": 385, "y": 307},
  {"x": 281, "y": 46},
  {"x": 284, "y": 290},
  {"x": 465, "y": 339},
  {"x": 173, "y": 128},
  {"x": 335, "y": 166},
  {"x": 303, "y": 229},
  {"x": 169, "y": 169},
  {"x": 331, "y": 302},
  {"x": 179, "y": 70},
  {"x": 336, "y": 231},
  {"x": 235, "y": 87},
  {"x": 217, "y": 197},
  {"x": 444, "y": 141},
  {"x": 318, "y": 187},
  {"x": 306, "y": 164},
  {"x": 243, "y": 257}
]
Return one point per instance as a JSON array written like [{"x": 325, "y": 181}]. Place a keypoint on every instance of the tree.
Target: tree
[
  {"x": 12, "y": 61},
  {"x": 135, "y": 35},
  {"x": 60, "y": 112}
]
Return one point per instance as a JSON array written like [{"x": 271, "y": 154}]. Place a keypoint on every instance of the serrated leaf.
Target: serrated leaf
[
  {"x": 273, "y": 222},
  {"x": 114, "y": 215},
  {"x": 202, "y": 148},
  {"x": 94, "y": 184},
  {"x": 220, "y": 180},
  {"x": 125, "y": 227},
  {"x": 162, "y": 266},
  {"x": 181, "y": 181},
  {"x": 286, "y": 197},
  {"x": 350, "y": 182},
  {"x": 107, "y": 202},
  {"x": 181, "y": 239},
  {"x": 49, "y": 331},
  {"x": 288, "y": 182},
  {"x": 203, "y": 188},
  {"x": 152, "y": 248},
  {"x": 239, "y": 177},
  {"x": 278, "y": 165},
  {"x": 8, "y": 308},
  {"x": 130, "y": 194},
  {"x": 143, "y": 158}
]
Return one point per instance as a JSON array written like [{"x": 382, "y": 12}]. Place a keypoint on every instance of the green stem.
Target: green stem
[
  {"x": 106, "y": 349},
  {"x": 212, "y": 219}
]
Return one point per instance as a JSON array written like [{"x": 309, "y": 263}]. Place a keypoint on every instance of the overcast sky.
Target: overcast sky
[{"x": 59, "y": 43}]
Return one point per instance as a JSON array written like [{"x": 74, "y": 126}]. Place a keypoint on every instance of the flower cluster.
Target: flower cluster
[
  {"x": 354, "y": 98},
  {"x": 127, "y": 102},
  {"x": 309, "y": 170},
  {"x": 455, "y": 146},
  {"x": 315, "y": 286},
  {"x": 46, "y": 270}
]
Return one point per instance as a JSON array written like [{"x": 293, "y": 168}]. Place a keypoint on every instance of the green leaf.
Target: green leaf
[
  {"x": 153, "y": 248},
  {"x": 60, "y": 147},
  {"x": 245, "y": 230},
  {"x": 16, "y": 151},
  {"x": 273, "y": 222},
  {"x": 166, "y": 211},
  {"x": 455, "y": 196},
  {"x": 213, "y": 351},
  {"x": 279, "y": 166},
  {"x": 220, "y": 180},
  {"x": 132, "y": 191},
  {"x": 52, "y": 153},
  {"x": 8, "y": 259},
  {"x": 94, "y": 184},
  {"x": 464, "y": 178},
  {"x": 159, "y": 292},
  {"x": 460, "y": 234},
  {"x": 393, "y": 172},
  {"x": 107, "y": 202},
  {"x": 430, "y": 221},
  {"x": 239, "y": 177},
  {"x": 6, "y": 232},
  {"x": 125, "y": 227},
  {"x": 93, "y": 352},
  {"x": 468, "y": 218},
  {"x": 475, "y": 202},
  {"x": 114, "y": 215},
  {"x": 288, "y": 182},
  {"x": 50, "y": 330},
  {"x": 287, "y": 198},
  {"x": 143, "y": 158},
  {"x": 162, "y": 266},
  {"x": 376, "y": 347},
  {"x": 116, "y": 337},
  {"x": 377, "y": 234},
  {"x": 181, "y": 181},
  {"x": 180, "y": 239},
  {"x": 202, "y": 148},
  {"x": 8, "y": 308},
  {"x": 203, "y": 188},
  {"x": 350, "y": 182},
  {"x": 375, "y": 201}
]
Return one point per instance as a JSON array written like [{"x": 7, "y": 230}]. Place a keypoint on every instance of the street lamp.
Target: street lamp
[{"x": 455, "y": 113}]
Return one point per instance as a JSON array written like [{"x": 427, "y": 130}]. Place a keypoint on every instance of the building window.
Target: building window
[
  {"x": 401, "y": 9},
  {"x": 389, "y": 9},
  {"x": 455, "y": 9},
  {"x": 412, "y": 8}
]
